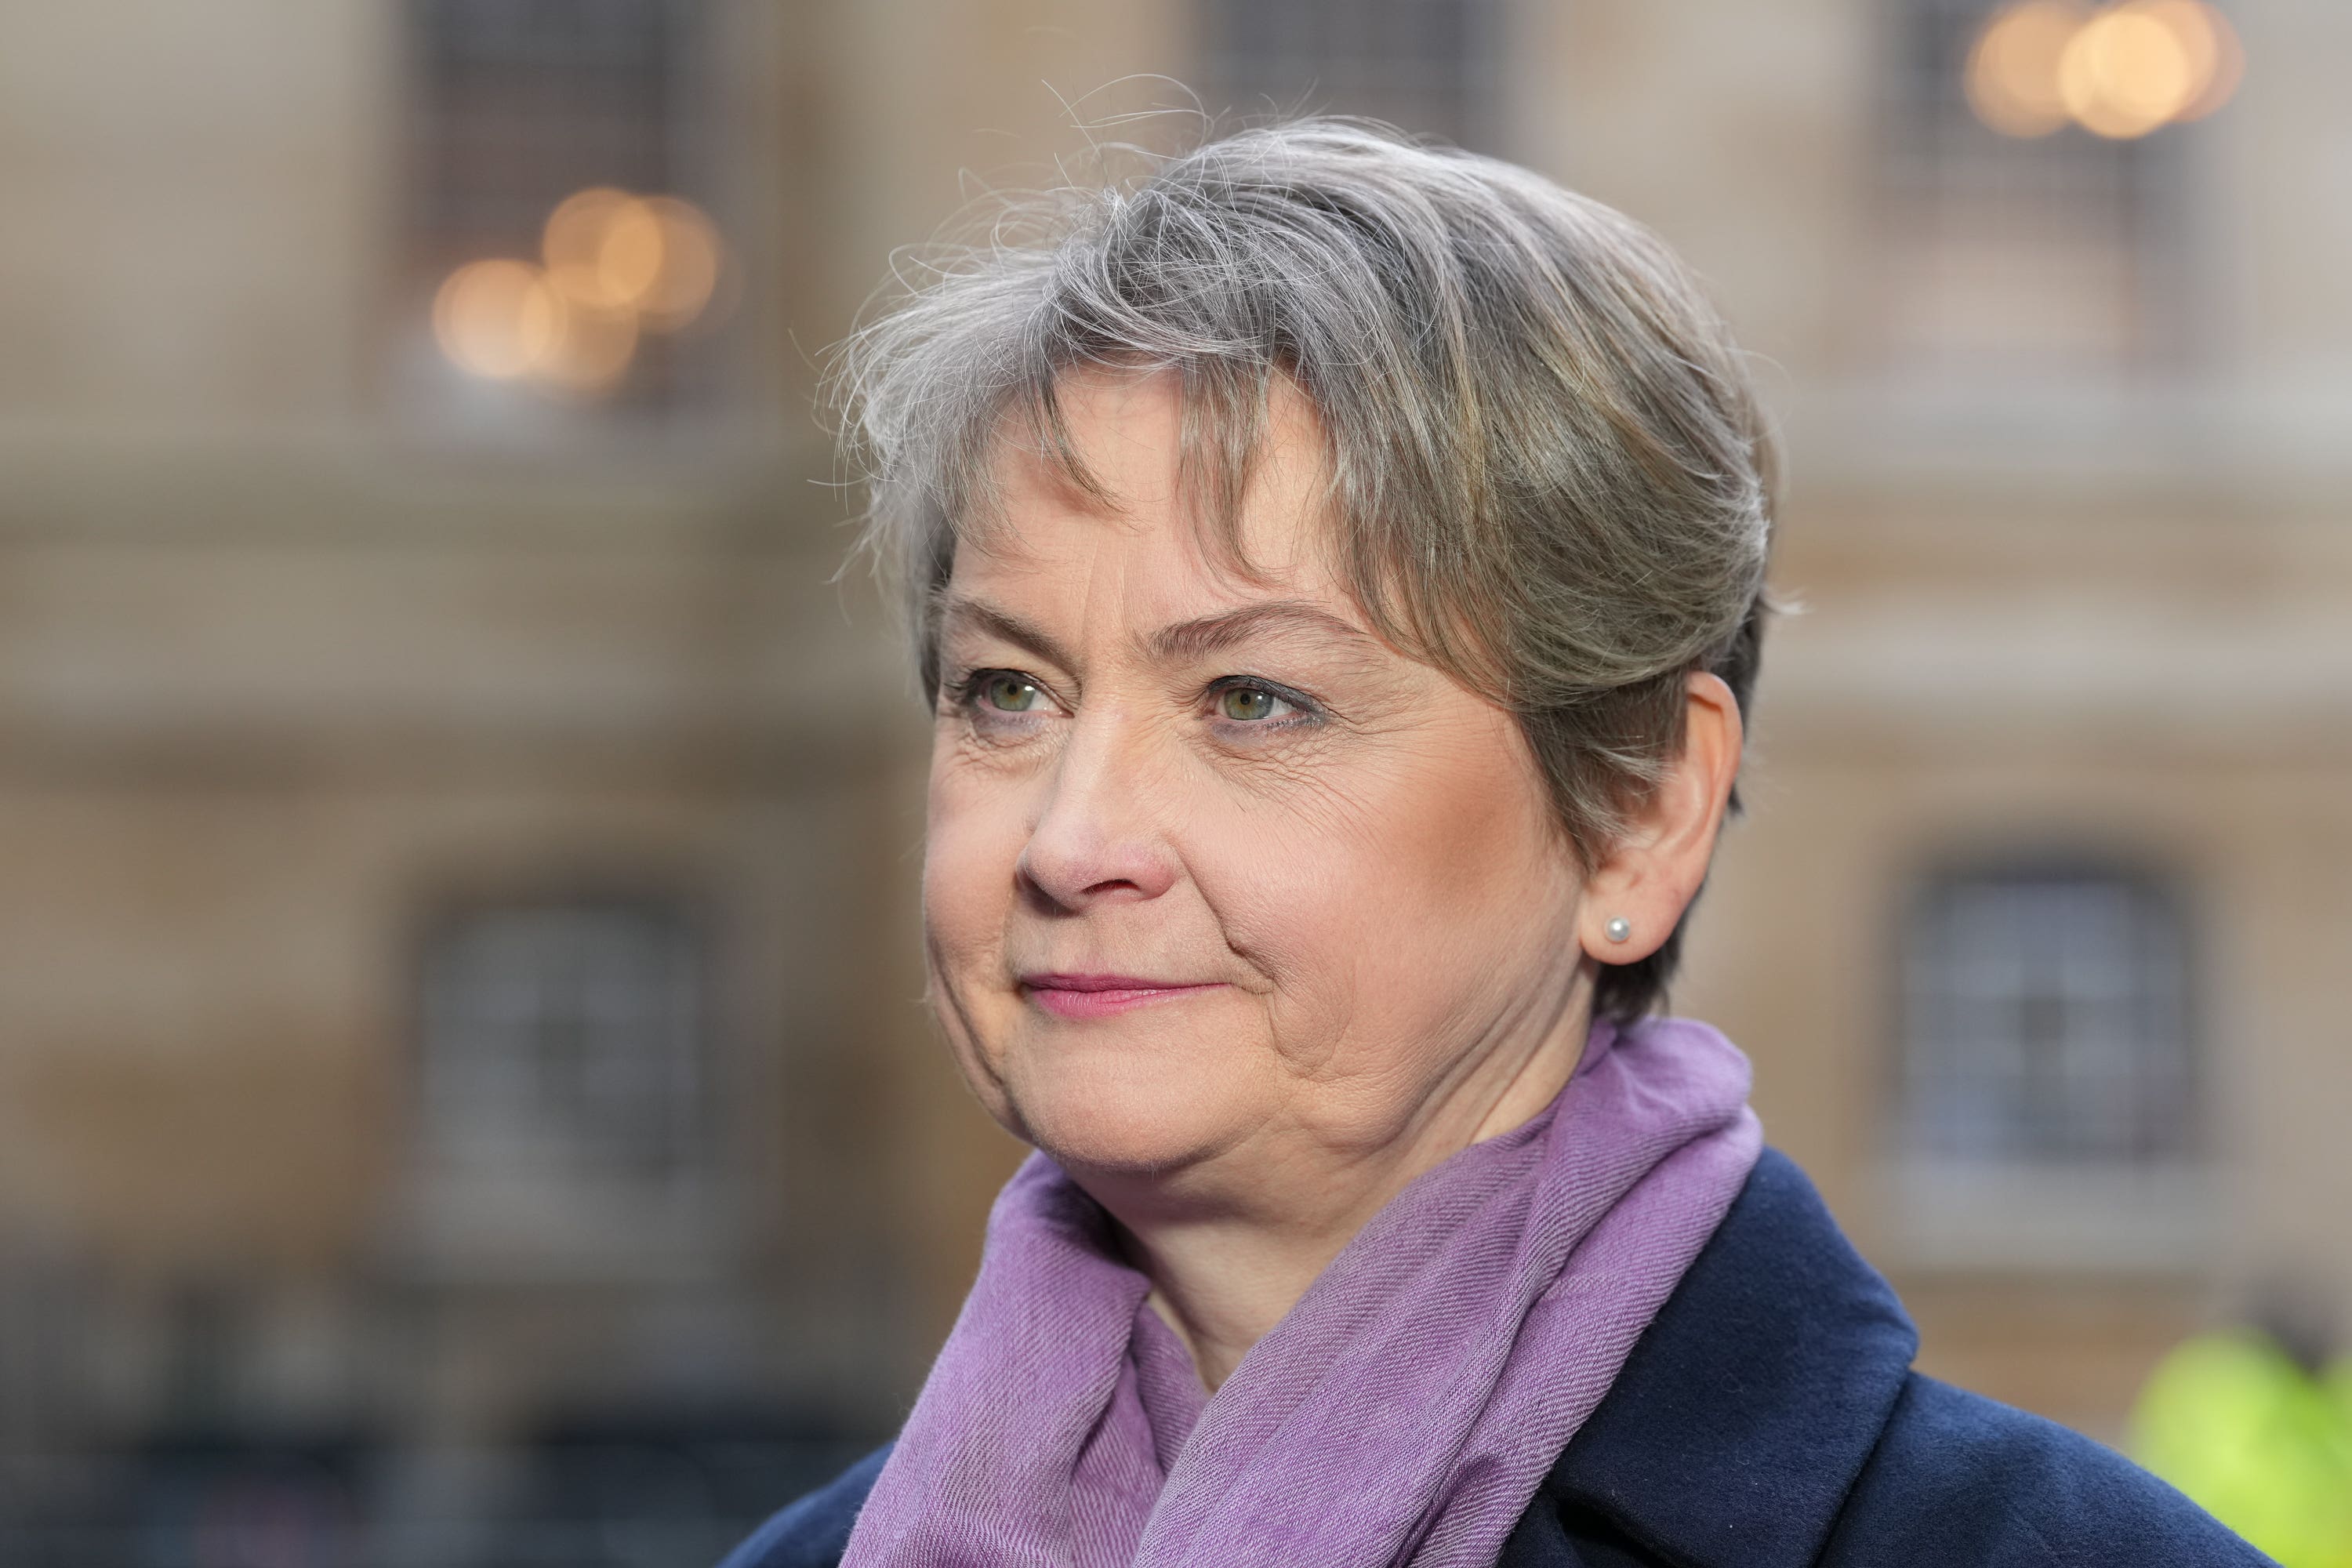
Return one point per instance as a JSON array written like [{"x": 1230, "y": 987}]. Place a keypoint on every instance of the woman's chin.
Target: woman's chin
[{"x": 1122, "y": 1123}]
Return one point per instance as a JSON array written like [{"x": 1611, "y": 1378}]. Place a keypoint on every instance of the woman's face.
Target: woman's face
[{"x": 1216, "y": 879}]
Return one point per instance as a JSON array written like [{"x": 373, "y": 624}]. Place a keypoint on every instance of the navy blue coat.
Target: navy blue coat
[{"x": 1770, "y": 1418}]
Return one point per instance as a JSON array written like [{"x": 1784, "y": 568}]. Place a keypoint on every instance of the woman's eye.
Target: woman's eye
[
  {"x": 1009, "y": 693},
  {"x": 1248, "y": 703}
]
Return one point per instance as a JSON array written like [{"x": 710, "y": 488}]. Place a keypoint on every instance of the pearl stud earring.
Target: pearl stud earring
[{"x": 1619, "y": 928}]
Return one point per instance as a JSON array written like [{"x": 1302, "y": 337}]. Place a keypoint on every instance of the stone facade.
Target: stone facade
[{"x": 289, "y": 670}]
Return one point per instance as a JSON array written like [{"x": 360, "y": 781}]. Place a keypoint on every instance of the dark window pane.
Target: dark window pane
[
  {"x": 561, "y": 1041},
  {"x": 1430, "y": 66},
  {"x": 2046, "y": 1020}
]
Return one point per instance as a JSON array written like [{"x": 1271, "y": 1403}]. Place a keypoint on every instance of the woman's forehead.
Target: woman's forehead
[
  {"x": 1122, "y": 490},
  {"x": 1054, "y": 573}
]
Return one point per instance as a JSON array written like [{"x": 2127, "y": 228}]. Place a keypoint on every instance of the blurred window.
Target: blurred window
[
  {"x": 1430, "y": 66},
  {"x": 2048, "y": 1077},
  {"x": 2041, "y": 246},
  {"x": 512, "y": 106},
  {"x": 561, "y": 1075},
  {"x": 2046, "y": 1020}
]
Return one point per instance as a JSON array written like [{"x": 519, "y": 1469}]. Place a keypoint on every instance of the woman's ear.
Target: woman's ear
[{"x": 1639, "y": 888}]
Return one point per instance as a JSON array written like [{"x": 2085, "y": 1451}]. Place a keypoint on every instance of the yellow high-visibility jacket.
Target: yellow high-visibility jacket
[{"x": 2233, "y": 1421}]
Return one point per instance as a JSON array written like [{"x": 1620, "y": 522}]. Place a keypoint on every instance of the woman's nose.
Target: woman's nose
[{"x": 1096, "y": 836}]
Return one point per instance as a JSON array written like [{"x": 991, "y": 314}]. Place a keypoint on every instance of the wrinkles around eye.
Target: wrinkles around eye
[{"x": 978, "y": 695}]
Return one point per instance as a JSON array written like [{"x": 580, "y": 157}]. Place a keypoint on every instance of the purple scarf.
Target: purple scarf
[{"x": 1403, "y": 1413}]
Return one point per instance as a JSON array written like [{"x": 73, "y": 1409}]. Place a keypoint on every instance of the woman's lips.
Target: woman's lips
[{"x": 1101, "y": 996}]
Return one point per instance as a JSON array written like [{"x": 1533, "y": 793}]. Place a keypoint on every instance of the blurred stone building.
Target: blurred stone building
[{"x": 462, "y": 1066}]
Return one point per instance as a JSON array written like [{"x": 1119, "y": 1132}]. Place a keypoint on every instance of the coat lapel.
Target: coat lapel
[{"x": 1749, "y": 1407}]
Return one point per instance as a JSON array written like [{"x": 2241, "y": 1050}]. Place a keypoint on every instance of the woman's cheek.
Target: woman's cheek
[
  {"x": 963, "y": 922},
  {"x": 970, "y": 847},
  {"x": 1282, "y": 888}
]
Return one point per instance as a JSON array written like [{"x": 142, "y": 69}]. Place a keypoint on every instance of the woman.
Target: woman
[{"x": 1337, "y": 567}]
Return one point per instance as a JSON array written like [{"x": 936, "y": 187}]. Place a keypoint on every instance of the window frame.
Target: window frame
[
  {"x": 545, "y": 1222},
  {"x": 2157, "y": 183},
  {"x": 709, "y": 385},
  {"x": 2033, "y": 1210}
]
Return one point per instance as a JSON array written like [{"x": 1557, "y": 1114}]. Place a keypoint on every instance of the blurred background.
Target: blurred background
[{"x": 465, "y": 1097}]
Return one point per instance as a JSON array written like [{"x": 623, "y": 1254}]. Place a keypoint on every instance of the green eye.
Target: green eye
[
  {"x": 1246, "y": 702},
  {"x": 1010, "y": 693}
]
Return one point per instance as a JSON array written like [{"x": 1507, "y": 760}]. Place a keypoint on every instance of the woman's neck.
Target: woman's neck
[{"x": 1225, "y": 1270}]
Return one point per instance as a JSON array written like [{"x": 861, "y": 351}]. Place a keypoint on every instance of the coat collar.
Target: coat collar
[{"x": 1751, "y": 1403}]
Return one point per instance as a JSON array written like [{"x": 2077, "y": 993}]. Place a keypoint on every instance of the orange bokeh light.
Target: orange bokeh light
[
  {"x": 2012, "y": 72},
  {"x": 603, "y": 248},
  {"x": 2213, "y": 49},
  {"x": 618, "y": 266},
  {"x": 658, "y": 256},
  {"x": 688, "y": 273},
  {"x": 2126, "y": 73},
  {"x": 593, "y": 352},
  {"x": 498, "y": 317},
  {"x": 2119, "y": 71}
]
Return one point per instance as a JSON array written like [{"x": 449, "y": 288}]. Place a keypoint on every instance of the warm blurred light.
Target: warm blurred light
[
  {"x": 2120, "y": 71},
  {"x": 591, "y": 351},
  {"x": 604, "y": 247},
  {"x": 618, "y": 266},
  {"x": 688, "y": 270},
  {"x": 2012, "y": 75},
  {"x": 2126, "y": 73},
  {"x": 498, "y": 317},
  {"x": 2213, "y": 49},
  {"x": 658, "y": 256}
]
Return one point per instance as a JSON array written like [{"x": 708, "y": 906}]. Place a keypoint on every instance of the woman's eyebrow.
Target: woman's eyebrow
[
  {"x": 1181, "y": 640},
  {"x": 1209, "y": 634},
  {"x": 953, "y": 610}
]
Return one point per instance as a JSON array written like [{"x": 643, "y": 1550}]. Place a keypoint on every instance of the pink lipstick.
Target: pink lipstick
[{"x": 1102, "y": 995}]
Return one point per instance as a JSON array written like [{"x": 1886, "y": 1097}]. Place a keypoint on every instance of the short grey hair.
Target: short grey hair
[{"x": 1549, "y": 474}]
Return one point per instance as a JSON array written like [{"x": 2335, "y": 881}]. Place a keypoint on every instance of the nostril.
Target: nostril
[{"x": 1098, "y": 873}]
